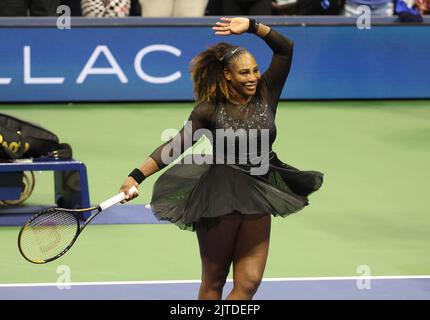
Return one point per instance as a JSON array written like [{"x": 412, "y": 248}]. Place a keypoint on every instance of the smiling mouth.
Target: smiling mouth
[{"x": 251, "y": 86}]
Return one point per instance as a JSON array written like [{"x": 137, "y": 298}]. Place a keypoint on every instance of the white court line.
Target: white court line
[{"x": 6, "y": 285}]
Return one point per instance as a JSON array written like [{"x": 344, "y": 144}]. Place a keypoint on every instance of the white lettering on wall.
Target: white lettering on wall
[
  {"x": 151, "y": 79},
  {"x": 28, "y": 79},
  {"x": 90, "y": 69}
]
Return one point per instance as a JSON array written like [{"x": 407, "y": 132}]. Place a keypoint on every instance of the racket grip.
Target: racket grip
[{"x": 116, "y": 199}]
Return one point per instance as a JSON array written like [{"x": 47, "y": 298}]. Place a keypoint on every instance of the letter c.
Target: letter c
[{"x": 157, "y": 80}]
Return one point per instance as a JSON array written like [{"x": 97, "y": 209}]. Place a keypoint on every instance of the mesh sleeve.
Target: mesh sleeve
[
  {"x": 185, "y": 138},
  {"x": 279, "y": 68}
]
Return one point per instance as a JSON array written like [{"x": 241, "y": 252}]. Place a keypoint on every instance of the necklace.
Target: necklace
[{"x": 240, "y": 106}]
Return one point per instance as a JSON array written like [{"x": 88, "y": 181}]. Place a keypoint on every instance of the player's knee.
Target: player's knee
[
  {"x": 215, "y": 284},
  {"x": 215, "y": 280},
  {"x": 248, "y": 284}
]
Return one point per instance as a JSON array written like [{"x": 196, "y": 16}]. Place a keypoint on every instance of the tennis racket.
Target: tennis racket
[{"x": 50, "y": 233}]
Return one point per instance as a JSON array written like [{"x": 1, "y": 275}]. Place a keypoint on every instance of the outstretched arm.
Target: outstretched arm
[
  {"x": 172, "y": 149},
  {"x": 176, "y": 146},
  {"x": 279, "y": 68}
]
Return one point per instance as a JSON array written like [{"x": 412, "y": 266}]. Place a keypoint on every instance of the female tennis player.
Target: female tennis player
[{"x": 228, "y": 205}]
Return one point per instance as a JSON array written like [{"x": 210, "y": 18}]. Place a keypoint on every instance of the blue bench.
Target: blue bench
[{"x": 65, "y": 195}]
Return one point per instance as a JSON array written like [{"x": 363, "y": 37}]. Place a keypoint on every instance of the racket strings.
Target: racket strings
[{"x": 48, "y": 234}]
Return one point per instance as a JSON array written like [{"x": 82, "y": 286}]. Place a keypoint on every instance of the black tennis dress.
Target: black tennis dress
[{"x": 193, "y": 193}]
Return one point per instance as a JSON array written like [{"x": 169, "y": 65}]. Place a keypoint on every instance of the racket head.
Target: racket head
[{"x": 48, "y": 235}]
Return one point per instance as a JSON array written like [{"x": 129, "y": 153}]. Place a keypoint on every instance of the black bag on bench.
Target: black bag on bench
[{"x": 21, "y": 139}]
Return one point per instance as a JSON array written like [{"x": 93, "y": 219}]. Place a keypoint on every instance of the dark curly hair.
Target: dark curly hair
[{"x": 207, "y": 71}]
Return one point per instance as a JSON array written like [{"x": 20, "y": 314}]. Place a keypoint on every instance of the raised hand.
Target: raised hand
[{"x": 231, "y": 26}]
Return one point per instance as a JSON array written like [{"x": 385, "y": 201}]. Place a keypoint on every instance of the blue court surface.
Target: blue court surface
[
  {"x": 121, "y": 214},
  {"x": 342, "y": 288}
]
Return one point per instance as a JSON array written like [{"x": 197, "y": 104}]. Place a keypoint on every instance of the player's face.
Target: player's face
[{"x": 243, "y": 75}]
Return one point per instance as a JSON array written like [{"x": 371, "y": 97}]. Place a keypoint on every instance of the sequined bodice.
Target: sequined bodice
[
  {"x": 247, "y": 124},
  {"x": 254, "y": 115}
]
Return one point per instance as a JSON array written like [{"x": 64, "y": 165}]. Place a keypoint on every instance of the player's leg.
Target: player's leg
[
  {"x": 250, "y": 256},
  {"x": 216, "y": 252}
]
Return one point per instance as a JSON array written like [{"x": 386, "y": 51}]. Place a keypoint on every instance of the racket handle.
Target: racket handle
[{"x": 115, "y": 199}]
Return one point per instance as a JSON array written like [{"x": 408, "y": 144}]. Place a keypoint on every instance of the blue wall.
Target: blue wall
[{"x": 329, "y": 62}]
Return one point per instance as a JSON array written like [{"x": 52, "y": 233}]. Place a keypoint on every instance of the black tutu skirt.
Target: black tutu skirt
[{"x": 191, "y": 195}]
